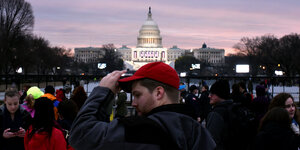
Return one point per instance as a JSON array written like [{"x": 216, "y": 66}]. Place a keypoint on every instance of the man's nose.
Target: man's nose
[{"x": 133, "y": 103}]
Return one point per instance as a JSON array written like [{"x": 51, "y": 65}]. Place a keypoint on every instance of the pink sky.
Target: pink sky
[{"x": 187, "y": 24}]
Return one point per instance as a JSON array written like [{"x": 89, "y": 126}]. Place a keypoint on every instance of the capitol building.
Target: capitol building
[{"x": 149, "y": 48}]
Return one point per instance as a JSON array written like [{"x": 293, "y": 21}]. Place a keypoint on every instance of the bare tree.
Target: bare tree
[
  {"x": 16, "y": 19},
  {"x": 288, "y": 53},
  {"x": 272, "y": 53},
  {"x": 112, "y": 58},
  {"x": 249, "y": 48}
]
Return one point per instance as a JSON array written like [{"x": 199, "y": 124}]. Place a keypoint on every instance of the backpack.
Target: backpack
[{"x": 241, "y": 127}]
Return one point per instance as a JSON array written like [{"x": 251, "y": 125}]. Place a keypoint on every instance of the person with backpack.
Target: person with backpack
[
  {"x": 162, "y": 123},
  {"x": 230, "y": 124}
]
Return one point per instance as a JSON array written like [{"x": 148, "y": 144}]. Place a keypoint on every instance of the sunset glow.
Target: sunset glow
[{"x": 187, "y": 24}]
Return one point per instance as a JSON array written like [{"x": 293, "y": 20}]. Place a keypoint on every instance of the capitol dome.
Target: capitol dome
[{"x": 149, "y": 34}]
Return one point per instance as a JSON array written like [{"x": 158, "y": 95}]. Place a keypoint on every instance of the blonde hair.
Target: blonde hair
[{"x": 30, "y": 100}]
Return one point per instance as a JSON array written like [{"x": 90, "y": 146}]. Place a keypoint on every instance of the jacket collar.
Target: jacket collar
[{"x": 178, "y": 108}]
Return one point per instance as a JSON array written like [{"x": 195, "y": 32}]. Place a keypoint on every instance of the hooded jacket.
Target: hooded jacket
[{"x": 161, "y": 128}]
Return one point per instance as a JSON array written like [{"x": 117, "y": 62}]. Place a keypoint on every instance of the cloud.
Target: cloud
[{"x": 188, "y": 24}]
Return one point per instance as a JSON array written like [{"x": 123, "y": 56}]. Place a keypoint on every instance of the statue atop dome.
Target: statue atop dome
[
  {"x": 149, "y": 34},
  {"x": 149, "y": 14}
]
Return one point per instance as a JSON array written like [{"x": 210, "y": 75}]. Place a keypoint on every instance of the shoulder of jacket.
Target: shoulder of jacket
[
  {"x": 1, "y": 109},
  {"x": 22, "y": 109}
]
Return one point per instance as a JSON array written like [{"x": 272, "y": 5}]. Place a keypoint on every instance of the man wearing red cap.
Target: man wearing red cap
[{"x": 161, "y": 123}]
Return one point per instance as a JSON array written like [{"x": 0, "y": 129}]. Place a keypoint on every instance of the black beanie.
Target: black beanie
[
  {"x": 221, "y": 88},
  {"x": 192, "y": 88},
  {"x": 50, "y": 89}
]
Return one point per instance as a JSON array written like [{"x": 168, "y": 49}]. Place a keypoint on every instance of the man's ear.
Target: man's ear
[{"x": 159, "y": 92}]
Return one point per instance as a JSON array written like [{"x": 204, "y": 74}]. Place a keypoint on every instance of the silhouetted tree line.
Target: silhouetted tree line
[
  {"x": 20, "y": 48},
  {"x": 265, "y": 54}
]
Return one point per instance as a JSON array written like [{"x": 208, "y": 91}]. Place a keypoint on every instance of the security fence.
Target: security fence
[{"x": 275, "y": 84}]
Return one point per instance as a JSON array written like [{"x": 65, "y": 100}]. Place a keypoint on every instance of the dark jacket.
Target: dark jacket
[
  {"x": 193, "y": 101},
  {"x": 22, "y": 119},
  {"x": 274, "y": 136},
  {"x": 260, "y": 103},
  {"x": 216, "y": 123},
  {"x": 244, "y": 98},
  {"x": 205, "y": 106},
  {"x": 90, "y": 131}
]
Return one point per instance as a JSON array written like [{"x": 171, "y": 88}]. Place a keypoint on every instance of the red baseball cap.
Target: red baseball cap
[{"x": 157, "y": 71}]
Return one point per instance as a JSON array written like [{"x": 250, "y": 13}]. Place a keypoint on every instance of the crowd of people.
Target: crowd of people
[
  {"x": 38, "y": 120},
  {"x": 168, "y": 116}
]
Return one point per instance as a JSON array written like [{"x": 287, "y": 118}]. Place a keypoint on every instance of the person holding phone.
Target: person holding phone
[{"x": 14, "y": 120}]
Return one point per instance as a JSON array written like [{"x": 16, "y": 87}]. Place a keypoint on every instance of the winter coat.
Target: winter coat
[
  {"x": 216, "y": 123},
  {"x": 41, "y": 141},
  {"x": 274, "y": 136},
  {"x": 244, "y": 98},
  {"x": 205, "y": 106},
  {"x": 260, "y": 103},
  {"x": 193, "y": 101},
  {"x": 22, "y": 119},
  {"x": 162, "y": 128}
]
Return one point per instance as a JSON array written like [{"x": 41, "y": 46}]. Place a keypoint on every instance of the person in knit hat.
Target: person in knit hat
[
  {"x": 219, "y": 99},
  {"x": 162, "y": 123}
]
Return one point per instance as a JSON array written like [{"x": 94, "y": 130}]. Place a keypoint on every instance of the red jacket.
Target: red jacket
[{"x": 40, "y": 141}]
